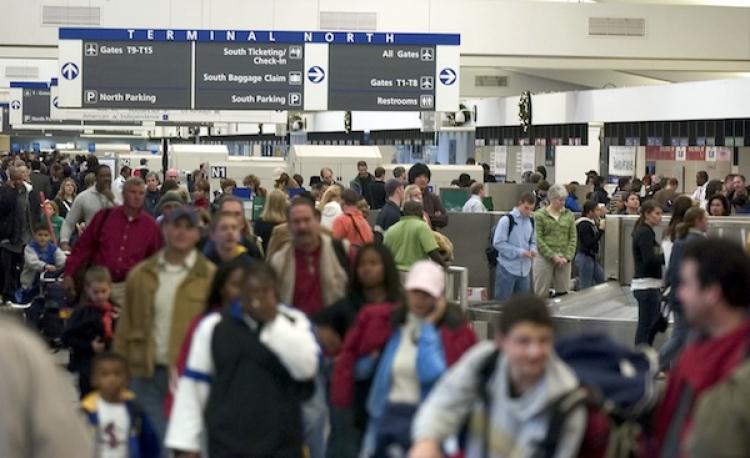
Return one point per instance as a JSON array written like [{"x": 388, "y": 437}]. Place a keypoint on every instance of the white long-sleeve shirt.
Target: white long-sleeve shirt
[
  {"x": 289, "y": 336},
  {"x": 700, "y": 195},
  {"x": 474, "y": 205}
]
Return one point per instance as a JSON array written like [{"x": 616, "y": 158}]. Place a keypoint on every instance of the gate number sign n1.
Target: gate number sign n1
[{"x": 218, "y": 172}]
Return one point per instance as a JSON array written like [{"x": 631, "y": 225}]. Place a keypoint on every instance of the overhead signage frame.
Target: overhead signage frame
[{"x": 162, "y": 69}]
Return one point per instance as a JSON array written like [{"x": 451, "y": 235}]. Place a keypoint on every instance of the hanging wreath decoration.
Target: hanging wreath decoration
[{"x": 524, "y": 110}]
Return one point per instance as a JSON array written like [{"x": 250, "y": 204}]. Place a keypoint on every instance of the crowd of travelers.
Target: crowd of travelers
[{"x": 194, "y": 330}]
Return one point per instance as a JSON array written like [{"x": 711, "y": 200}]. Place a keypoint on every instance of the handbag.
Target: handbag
[{"x": 662, "y": 322}]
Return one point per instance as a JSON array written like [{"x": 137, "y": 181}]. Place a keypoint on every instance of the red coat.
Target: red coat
[{"x": 371, "y": 332}]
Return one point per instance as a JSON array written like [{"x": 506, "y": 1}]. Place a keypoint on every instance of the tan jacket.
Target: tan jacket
[
  {"x": 333, "y": 279},
  {"x": 134, "y": 339},
  {"x": 280, "y": 236}
]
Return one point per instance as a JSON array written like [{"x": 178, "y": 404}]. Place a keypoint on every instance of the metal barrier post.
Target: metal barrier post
[{"x": 463, "y": 275}]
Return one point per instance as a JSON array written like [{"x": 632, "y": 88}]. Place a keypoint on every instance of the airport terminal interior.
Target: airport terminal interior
[{"x": 355, "y": 229}]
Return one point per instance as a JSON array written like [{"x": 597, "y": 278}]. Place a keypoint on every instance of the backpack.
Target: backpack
[
  {"x": 616, "y": 383},
  {"x": 491, "y": 252}
]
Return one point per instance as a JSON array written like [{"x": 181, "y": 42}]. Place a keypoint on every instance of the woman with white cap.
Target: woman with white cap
[{"x": 427, "y": 336}]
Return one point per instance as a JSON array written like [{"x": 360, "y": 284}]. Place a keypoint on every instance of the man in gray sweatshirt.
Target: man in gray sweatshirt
[{"x": 528, "y": 378}]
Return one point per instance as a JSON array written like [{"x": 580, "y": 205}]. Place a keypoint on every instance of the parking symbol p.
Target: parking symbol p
[
  {"x": 295, "y": 99},
  {"x": 91, "y": 96}
]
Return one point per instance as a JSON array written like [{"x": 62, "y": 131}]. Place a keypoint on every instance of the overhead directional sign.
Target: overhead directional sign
[
  {"x": 122, "y": 74},
  {"x": 31, "y": 105},
  {"x": 248, "y": 76},
  {"x": 169, "y": 69},
  {"x": 386, "y": 78}
]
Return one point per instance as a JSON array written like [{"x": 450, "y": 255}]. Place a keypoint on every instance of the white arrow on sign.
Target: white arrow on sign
[
  {"x": 55, "y": 102},
  {"x": 447, "y": 76},
  {"x": 69, "y": 71},
  {"x": 16, "y": 104},
  {"x": 316, "y": 74}
]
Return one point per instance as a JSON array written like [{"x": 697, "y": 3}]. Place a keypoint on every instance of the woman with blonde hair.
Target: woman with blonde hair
[
  {"x": 66, "y": 196},
  {"x": 274, "y": 213},
  {"x": 330, "y": 206},
  {"x": 413, "y": 193}
]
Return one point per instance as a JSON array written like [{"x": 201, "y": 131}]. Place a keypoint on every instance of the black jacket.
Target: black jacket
[
  {"x": 588, "y": 237},
  {"x": 389, "y": 215},
  {"x": 264, "y": 229},
  {"x": 599, "y": 195},
  {"x": 647, "y": 253},
  {"x": 8, "y": 195},
  {"x": 84, "y": 325},
  {"x": 152, "y": 201},
  {"x": 340, "y": 316},
  {"x": 364, "y": 187},
  {"x": 41, "y": 183},
  {"x": 432, "y": 204},
  {"x": 249, "y": 378},
  {"x": 377, "y": 189},
  {"x": 14, "y": 226}
]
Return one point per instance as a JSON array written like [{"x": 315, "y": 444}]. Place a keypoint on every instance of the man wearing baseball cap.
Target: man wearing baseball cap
[{"x": 162, "y": 296}]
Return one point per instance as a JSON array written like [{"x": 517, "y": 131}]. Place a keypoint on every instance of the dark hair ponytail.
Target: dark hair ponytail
[{"x": 647, "y": 207}]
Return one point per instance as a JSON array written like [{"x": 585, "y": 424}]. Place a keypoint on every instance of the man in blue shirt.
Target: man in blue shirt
[{"x": 515, "y": 242}]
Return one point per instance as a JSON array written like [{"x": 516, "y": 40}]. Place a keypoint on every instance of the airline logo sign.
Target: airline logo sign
[{"x": 257, "y": 70}]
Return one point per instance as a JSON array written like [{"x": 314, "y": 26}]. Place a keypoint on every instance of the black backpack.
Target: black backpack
[{"x": 490, "y": 252}]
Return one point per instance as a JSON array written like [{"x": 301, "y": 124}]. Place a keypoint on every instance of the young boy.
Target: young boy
[
  {"x": 89, "y": 330},
  {"x": 527, "y": 379},
  {"x": 40, "y": 255},
  {"x": 121, "y": 429}
]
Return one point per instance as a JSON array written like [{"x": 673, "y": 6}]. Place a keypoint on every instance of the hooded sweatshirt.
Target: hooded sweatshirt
[
  {"x": 517, "y": 424},
  {"x": 329, "y": 213}
]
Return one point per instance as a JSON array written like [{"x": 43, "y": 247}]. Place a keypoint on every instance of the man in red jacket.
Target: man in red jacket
[
  {"x": 118, "y": 239},
  {"x": 714, "y": 291}
]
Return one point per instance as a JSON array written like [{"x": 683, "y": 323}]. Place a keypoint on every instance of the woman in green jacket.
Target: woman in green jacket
[{"x": 556, "y": 242}]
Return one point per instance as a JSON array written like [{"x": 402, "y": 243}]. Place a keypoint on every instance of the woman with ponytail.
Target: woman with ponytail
[
  {"x": 649, "y": 259},
  {"x": 693, "y": 227}
]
